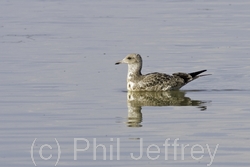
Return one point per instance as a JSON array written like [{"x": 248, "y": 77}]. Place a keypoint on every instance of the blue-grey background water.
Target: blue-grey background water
[{"x": 59, "y": 82}]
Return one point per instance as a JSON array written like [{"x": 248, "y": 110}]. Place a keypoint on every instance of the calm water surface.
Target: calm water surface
[{"x": 62, "y": 96}]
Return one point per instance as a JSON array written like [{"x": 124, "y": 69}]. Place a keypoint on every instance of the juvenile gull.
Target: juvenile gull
[{"x": 154, "y": 81}]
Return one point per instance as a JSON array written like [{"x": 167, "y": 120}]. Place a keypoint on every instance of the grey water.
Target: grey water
[{"x": 63, "y": 102}]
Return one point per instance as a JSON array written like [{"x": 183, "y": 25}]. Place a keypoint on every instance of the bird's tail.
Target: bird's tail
[{"x": 196, "y": 75}]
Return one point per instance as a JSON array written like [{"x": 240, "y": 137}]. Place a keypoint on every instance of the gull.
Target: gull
[{"x": 156, "y": 81}]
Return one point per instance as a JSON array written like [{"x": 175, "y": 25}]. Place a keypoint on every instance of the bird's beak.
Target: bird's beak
[{"x": 119, "y": 62}]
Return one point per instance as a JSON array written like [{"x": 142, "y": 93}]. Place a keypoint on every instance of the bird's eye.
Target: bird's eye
[{"x": 129, "y": 58}]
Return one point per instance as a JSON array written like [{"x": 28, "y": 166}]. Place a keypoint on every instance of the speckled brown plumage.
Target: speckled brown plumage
[{"x": 154, "y": 81}]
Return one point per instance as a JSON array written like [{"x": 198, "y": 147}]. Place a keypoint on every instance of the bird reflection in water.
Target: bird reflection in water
[{"x": 135, "y": 101}]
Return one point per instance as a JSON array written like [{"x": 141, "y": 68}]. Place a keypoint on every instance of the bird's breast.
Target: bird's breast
[{"x": 130, "y": 86}]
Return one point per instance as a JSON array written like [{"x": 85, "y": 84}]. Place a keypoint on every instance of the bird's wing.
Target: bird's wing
[
  {"x": 160, "y": 81},
  {"x": 186, "y": 77}
]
